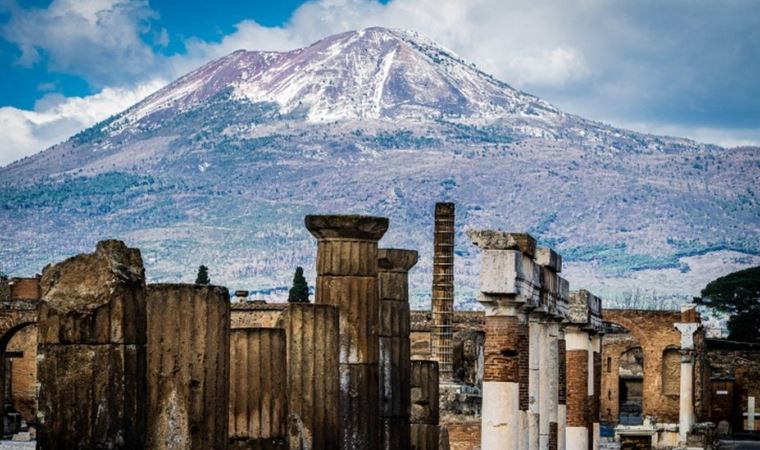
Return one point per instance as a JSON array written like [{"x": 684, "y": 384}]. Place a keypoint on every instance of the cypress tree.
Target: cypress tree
[
  {"x": 202, "y": 277},
  {"x": 299, "y": 293}
]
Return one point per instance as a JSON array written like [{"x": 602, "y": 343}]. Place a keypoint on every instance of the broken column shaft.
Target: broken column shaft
[
  {"x": 347, "y": 278},
  {"x": 258, "y": 400},
  {"x": 508, "y": 283},
  {"x": 188, "y": 366},
  {"x": 425, "y": 431},
  {"x": 313, "y": 380},
  {"x": 443, "y": 290},
  {"x": 395, "y": 351},
  {"x": 91, "y": 353}
]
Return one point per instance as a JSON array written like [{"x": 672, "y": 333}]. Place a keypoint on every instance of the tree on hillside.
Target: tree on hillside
[
  {"x": 738, "y": 295},
  {"x": 202, "y": 277},
  {"x": 299, "y": 293}
]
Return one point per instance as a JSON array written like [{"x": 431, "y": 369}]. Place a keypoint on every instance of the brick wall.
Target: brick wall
[
  {"x": 24, "y": 372},
  {"x": 464, "y": 436},
  {"x": 502, "y": 349}
]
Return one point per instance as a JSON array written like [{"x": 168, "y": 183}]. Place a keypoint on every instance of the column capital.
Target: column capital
[
  {"x": 502, "y": 240},
  {"x": 354, "y": 227},
  {"x": 687, "y": 331},
  {"x": 396, "y": 259}
]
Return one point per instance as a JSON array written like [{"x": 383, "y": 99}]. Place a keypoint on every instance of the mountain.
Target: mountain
[{"x": 220, "y": 166}]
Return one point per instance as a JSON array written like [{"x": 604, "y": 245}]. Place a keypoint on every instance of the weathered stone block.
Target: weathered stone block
[
  {"x": 502, "y": 240},
  {"x": 549, "y": 258},
  {"x": 425, "y": 437},
  {"x": 395, "y": 373},
  {"x": 424, "y": 392},
  {"x": 358, "y": 396}
]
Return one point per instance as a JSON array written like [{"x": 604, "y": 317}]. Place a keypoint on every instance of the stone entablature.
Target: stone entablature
[{"x": 585, "y": 309}]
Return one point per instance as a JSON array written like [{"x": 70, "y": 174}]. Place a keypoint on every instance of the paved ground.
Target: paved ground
[
  {"x": 11, "y": 445},
  {"x": 739, "y": 445}
]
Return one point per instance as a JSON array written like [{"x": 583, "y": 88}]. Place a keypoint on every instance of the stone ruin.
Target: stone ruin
[{"x": 125, "y": 365}]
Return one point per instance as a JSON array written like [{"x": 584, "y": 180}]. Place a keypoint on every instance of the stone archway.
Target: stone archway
[
  {"x": 654, "y": 333},
  {"x": 15, "y": 316}
]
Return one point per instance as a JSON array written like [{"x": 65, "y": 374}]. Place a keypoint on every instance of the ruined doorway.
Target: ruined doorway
[
  {"x": 18, "y": 372},
  {"x": 631, "y": 386}
]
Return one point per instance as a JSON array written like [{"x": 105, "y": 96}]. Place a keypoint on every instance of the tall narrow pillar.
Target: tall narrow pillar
[
  {"x": 537, "y": 355},
  {"x": 687, "y": 327},
  {"x": 188, "y": 367},
  {"x": 425, "y": 432},
  {"x": 443, "y": 289},
  {"x": 577, "y": 434},
  {"x": 258, "y": 400},
  {"x": 347, "y": 278},
  {"x": 91, "y": 354},
  {"x": 561, "y": 391},
  {"x": 508, "y": 282},
  {"x": 395, "y": 351},
  {"x": 596, "y": 349},
  {"x": 313, "y": 376}
]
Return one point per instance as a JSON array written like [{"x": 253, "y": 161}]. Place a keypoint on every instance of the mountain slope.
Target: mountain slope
[{"x": 220, "y": 166}]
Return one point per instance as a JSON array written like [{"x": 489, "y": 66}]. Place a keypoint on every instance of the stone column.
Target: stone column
[
  {"x": 686, "y": 397},
  {"x": 537, "y": 352},
  {"x": 313, "y": 376},
  {"x": 561, "y": 391},
  {"x": 395, "y": 351},
  {"x": 188, "y": 367},
  {"x": 441, "y": 338},
  {"x": 91, "y": 354},
  {"x": 577, "y": 360},
  {"x": 596, "y": 349},
  {"x": 508, "y": 282},
  {"x": 347, "y": 278},
  {"x": 424, "y": 412},
  {"x": 258, "y": 399}
]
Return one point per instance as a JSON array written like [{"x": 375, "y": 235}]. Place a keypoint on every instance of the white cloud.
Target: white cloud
[
  {"x": 55, "y": 118},
  {"x": 85, "y": 38}
]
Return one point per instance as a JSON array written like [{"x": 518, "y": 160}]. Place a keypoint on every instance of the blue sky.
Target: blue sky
[{"x": 680, "y": 67}]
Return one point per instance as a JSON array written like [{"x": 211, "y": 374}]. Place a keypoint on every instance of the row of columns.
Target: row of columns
[
  {"x": 335, "y": 374},
  {"x": 538, "y": 383}
]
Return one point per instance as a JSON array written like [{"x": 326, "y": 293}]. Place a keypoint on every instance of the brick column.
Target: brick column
[
  {"x": 91, "y": 354},
  {"x": 347, "y": 278},
  {"x": 258, "y": 399},
  {"x": 577, "y": 360},
  {"x": 689, "y": 325},
  {"x": 508, "y": 282},
  {"x": 424, "y": 413},
  {"x": 313, "y": 376},
  {"x": 395, "y": 351},
  {"x": 188, "y": 367}
]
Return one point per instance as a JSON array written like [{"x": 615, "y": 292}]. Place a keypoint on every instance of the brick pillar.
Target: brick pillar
[
  {"x": 689, "y": 325},
  {"x": 91, "y": 353},
  {"x": 443, "y": 290},
  {"x": 258, "y": 400},
  {"x": 313, "y": 376},
  {"x": 347, "y": 278},
  {"x": 395, "y": 351},
  {"x": 577, "y": 366},
  {"x": 188, "y": 366},
  {"x": 508, "y": 282},
  {"x": 561, "y": 391},
  {"x": 425, "y": 411}
]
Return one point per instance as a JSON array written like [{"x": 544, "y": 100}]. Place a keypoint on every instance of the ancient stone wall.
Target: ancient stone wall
[
  {"x": 255, "y": 314},
  {"x": 23, "y": 376}
]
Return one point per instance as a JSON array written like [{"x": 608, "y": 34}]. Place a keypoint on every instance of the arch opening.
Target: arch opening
[
  {"x": 18, "y": 373},
  {"x": 631, "y": 386}
]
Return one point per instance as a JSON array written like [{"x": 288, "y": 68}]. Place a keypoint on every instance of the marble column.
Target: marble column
[{"x": 686, "y": 395}]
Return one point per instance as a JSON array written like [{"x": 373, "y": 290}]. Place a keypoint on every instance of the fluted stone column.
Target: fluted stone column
[
  {"x": 313, "y": 375},
  {"x": 188, "y": 367},
  {"x": 508, "y": 282},
  {"x": 395, "y": 350},
  {"x": 258, "y": 397},
  {"x": 686, "y": 397},
  {"x": 347, "y": 278},
  {"x": 425, "y": 415},
  {"x": 91, "y": 354}
]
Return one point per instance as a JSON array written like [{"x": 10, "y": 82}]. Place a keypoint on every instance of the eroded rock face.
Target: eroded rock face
[{"x": 91, "y": 357}]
